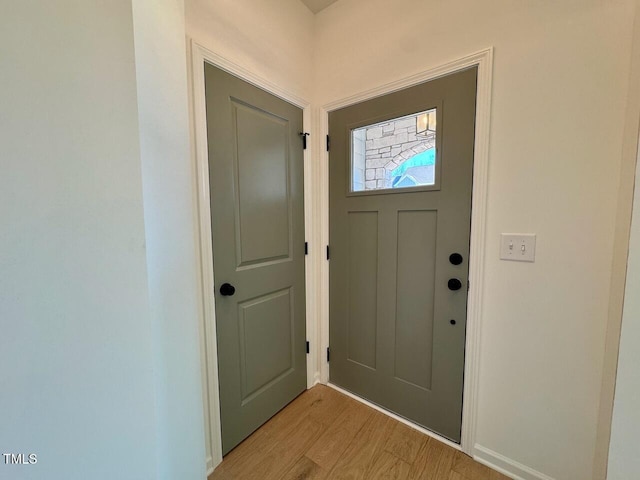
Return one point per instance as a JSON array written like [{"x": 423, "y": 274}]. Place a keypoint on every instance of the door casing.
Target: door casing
[{"x": 316, "y": 182}]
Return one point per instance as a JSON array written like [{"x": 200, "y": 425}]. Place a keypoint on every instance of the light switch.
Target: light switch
[{"x": 520, "y": 247}]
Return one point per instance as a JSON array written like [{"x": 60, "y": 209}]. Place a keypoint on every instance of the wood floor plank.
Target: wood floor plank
[
  {"x": 426, "y": 461},
  {"x": 433, "y": 462},
  {"x": 468, "y": 468},
  {"x": 360, "y": 454},
  {"x": 493, "y": 475},
  {"x": 455, "y": 476},
  {"x": 335, "y": 440},
  {"x": 405, "y": 442},
  {"x": 273, "y": 462},
  {"x": 388, "y": 467},
  {"x": 305, "y": 469},
  {"x": 327, "y": 405},
  {"x": 445, "y": 461}
]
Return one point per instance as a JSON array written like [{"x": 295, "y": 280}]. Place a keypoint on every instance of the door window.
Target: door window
[{"x": 395, "y": 154}]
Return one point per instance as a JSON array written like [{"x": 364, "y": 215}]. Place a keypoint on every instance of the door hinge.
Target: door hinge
[
  {"x": 304, "y": 136},
  {"x": 328, "y": 354},
  {"x": 328, "y": 143},
  {"x": 307, "y": 346},
  {"x": 328, "y": 255},
  {"x": 306, "y": 248}
]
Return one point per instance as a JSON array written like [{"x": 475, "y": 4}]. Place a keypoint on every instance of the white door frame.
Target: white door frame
[
  {"x": 483, "y": 59},
  {"x": 208, "y": 345}
]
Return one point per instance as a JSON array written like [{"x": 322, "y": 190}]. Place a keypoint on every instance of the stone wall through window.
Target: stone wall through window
[{"x": 380, "y": 150}]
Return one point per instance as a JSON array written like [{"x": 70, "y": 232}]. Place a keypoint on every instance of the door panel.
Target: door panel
[
  {"x": 263, "y": 200},
  {"x": 401, "y": 170},
  {"x": 363, "y": 255},
  {"x": 266, "y": 331},
  {"x": 414, "y": 294},
  {"x": 257, "y": 220}
]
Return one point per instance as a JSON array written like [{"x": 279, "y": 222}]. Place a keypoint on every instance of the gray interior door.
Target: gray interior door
[
  {"x": 400, "y": 207},
  {"x": 257, "y": 218}
]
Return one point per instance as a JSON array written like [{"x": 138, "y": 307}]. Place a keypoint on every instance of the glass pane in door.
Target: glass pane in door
[{"x": 395, "y": 154}]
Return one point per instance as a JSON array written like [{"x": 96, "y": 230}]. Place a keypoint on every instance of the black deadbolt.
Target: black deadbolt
[
  {"x": 454, "y": 284},
  {"x": 452, "y": 322},
  {"x": 226, "y": 289},
  {"x": 455, "y": 258}
]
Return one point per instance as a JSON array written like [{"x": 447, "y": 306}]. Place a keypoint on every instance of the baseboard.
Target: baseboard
[
  {"x": 396, "y": 417},
  {"x": 210, "y": 468},
  {"x": 505, "y": 465}
]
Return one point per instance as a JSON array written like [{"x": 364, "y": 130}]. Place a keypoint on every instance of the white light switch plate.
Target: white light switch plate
[{"x": 520, "y": 247}]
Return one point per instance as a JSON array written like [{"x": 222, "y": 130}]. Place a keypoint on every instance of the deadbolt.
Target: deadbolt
[{"x": 455, "y": 259}]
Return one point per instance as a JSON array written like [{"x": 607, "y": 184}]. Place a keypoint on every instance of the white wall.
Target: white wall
[
  {"x": 98, "y": 305},
  {"x": 76, "y": 383},
  {"x": 560, "y": 86},
  {"x": 273, "y": 40},
  {"x": 171, "y": 230}
]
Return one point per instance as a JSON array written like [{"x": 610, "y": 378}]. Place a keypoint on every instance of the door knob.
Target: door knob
[
  {"x": 455, "y": 259},
  {"x": 454, "y": 284},
  {"x": 227, "y": 290}
]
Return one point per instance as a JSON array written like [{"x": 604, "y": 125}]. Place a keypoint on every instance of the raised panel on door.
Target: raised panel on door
[
  {"x": 415, "y": 291},
  {"x": 263, "y": 204},
  {"x": 257, "y": 218},
  {"x": 265, "y": 332},
  {"x": 362, "y": 280}
]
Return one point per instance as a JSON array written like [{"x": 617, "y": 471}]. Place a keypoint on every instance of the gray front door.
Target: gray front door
[
  {"x": 257, "y": 219},
  {"x": 401, "y": 170}
]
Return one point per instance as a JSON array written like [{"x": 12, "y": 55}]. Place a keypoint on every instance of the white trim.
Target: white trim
[
  {"x": 484, "y": 61},
  {"x": 400, "y": 419},
  {"x": 506, "y": 466},
  {"x": 200, "y": 55},
  {"x": 214, "y": 457},
  {"x": 201, "y": 324}
]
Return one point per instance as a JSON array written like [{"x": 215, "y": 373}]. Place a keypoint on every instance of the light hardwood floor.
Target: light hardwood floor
[{"x": 324, "y": 434}]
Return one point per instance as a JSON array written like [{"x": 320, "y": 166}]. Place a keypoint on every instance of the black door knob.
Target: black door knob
[
  {"x": 227, "y": 290},
  {"x": 455, "y": 259},
  {"x": 454, "y": 284}
]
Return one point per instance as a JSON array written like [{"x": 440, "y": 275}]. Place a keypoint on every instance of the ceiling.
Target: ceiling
[{"x": 316, "y": 5}]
